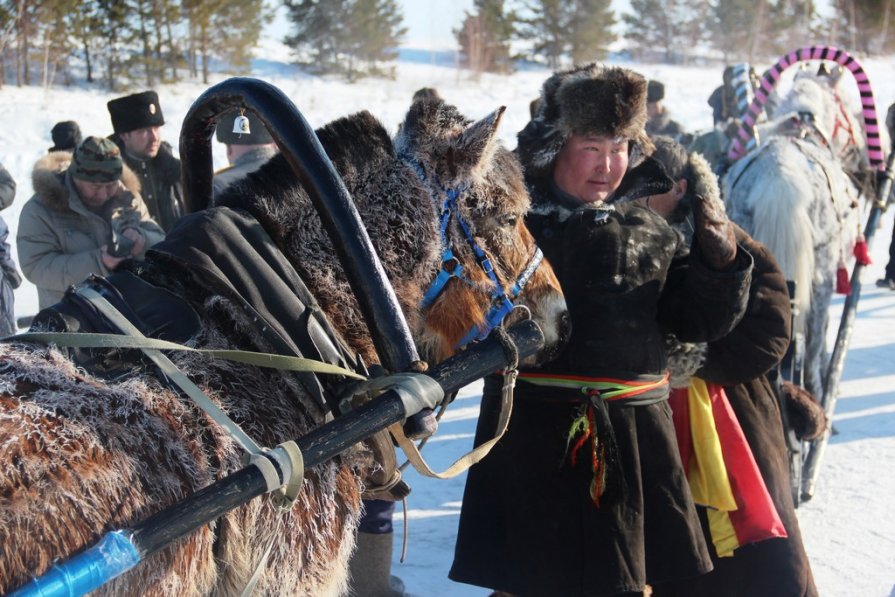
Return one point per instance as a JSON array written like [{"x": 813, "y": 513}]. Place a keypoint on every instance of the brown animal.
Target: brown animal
[{"x": 81, "y": 455}]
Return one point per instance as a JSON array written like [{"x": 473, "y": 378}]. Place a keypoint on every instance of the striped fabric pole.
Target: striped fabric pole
[
  {"x": 742, "y": 87},
  {"x": 746, "y": 131}
]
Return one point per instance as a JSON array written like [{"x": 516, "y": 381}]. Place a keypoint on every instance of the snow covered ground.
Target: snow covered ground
[{"x": 849, "y": 528}]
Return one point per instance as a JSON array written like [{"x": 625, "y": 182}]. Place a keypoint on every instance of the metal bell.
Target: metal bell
[{"x": 241, "y": 125}]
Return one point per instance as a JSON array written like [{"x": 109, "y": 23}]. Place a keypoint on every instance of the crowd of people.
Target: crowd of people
[
  {"x": 100, "y": 200},
  {"x": 592, "y": 490}
]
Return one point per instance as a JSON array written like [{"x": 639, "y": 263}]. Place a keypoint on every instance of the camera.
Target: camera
[{"x": 121, "y": 245}]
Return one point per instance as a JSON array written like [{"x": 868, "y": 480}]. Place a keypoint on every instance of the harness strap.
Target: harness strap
[
  {"x": 170, "y": 370},
  {"x": 503, "y": 420},
  {"x": 476, "y": 454}
]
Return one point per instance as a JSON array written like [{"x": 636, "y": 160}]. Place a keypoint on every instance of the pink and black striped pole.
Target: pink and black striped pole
[{"x": 746, "y": 132}]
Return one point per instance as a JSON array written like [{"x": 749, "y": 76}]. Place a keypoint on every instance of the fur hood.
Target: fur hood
[
  {"x": 50, "y": 187},
  {"x": 591, "y": 99}
]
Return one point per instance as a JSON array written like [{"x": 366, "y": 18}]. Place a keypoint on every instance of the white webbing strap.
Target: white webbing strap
[
  {"x": 171, "y": 371},
  {"x": 477, "y": 453}
]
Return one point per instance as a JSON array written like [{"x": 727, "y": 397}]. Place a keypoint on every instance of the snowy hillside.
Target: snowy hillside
[{"x": 849, "y": 528}]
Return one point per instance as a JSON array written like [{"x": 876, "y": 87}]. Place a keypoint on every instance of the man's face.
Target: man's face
[
  {"x": 591, "y": 168},
  {"x": 95, "y": 194},
  {"x": 143, "y": 143}
]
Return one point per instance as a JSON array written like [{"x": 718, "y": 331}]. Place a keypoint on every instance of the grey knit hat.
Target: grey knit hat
[
  {"x": 590, "y": 99},
  {"x": 96, "y": 160}
]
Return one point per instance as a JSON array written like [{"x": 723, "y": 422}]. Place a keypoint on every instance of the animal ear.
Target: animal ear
[
  {"x": 836, "y": 75},
  {"x": 476, "y": 144}
]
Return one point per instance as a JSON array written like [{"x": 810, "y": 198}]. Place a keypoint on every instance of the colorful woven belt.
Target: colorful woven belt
[
  {"x": 646, "y": 389},
  {"x": 590, "y": 433}
]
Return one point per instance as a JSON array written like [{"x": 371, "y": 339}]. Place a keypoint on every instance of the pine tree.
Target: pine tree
[
  {"x": 580, "y": 30},
  {"x": 545, "y": 24},
  {"x": 224, "y": 29},
  {"x": 114, "y": 33},
  {"x": 353, "y": 38},
  {"x": 591, "y": 24},
  {"x": 668, "y": 28},
  {"x": 485, "y": 36},
  {"x": 730, "y": 28}
]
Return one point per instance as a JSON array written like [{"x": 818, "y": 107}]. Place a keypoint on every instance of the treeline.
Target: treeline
[
  {"x": 130, "y": 43},
  {"x": 125, "y": 43},
  {"x": 673, "y": 31}
]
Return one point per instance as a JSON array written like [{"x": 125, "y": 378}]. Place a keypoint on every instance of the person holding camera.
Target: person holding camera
[{"x": 83, "y": 219}]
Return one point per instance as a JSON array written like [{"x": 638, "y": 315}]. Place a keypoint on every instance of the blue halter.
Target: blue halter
[{"x": 501, "y": 302}]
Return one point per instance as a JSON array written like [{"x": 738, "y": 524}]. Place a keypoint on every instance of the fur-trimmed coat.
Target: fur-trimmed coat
[
  {"x": 776, "y": 567},
  {"x": 59, "y": 239},
  {"x": 528, "y": 525}
]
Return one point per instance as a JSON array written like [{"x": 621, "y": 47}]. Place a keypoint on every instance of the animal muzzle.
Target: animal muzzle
[{"x": 545, "y": 305}]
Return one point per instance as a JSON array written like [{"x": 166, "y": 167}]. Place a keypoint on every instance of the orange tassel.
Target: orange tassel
[
  {"x": 585, "y": 427},
  {"x": 842, "y": 284},
  {"x": 862, "y": 254}
]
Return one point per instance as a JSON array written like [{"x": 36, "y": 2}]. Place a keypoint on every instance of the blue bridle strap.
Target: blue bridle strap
[{"x": 501, "y": 303}]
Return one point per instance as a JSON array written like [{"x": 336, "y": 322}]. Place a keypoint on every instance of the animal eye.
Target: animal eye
[{"x": 508, "y": 220}]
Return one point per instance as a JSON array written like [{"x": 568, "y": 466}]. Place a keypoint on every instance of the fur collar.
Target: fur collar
[{"x": 48, "y": 178}]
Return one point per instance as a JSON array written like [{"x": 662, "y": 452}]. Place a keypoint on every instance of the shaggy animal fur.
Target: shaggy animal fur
[
  {"x": 81, "y": 455},
  {"x": 792, "y": 195},
  {"x": 592, "y": 99}
]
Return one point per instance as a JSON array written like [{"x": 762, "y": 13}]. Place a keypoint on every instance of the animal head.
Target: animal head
[
  {"x": 478, "y": 188},
  {"x": 400, "y": 189},
  {"x": 815, "y": 106}
]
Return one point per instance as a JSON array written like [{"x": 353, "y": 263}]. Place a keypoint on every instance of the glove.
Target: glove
[{"x": 714, "y": 233}]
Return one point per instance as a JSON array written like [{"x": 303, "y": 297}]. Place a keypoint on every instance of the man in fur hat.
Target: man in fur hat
[
  {"x": 84, "y": 218},
  {"x": 739, "y": 362},
  {"x": 137, "y": 120},
  {"x": 585, "y": 494},
  {"x": 660, "y": 122},
  {"x": 247, "y": 150}
]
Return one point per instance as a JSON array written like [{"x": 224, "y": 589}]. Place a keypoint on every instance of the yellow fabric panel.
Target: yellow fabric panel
[
  {"x": 723, "y": 534},
  {"x": 707, "y": 475}
]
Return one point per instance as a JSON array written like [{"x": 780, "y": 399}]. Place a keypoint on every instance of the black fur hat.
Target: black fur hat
[
  {"x": 137, "y": 111},
  {"x": 257, "y": 133},
  {"x": 591, "y": 99},
  {"x": 66, "y": 136},
  {"x": 655, "y": 91}
]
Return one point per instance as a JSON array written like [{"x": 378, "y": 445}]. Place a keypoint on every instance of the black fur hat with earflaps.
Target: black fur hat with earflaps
[{"x": 591, "y": 99}]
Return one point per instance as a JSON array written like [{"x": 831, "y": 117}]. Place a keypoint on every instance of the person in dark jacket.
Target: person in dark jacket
[
  {"x": 888, "y": 279},
  {"x": 249, "y": 146},
  {"x": 741, "y": 362},
  {"x": 137, "y": 120},
  {"x": 585, "y": 494},
  {"x": 66, "y": 136},
  {"x": 9, "y": 272},
  {"x": 660, "y": 122}
]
